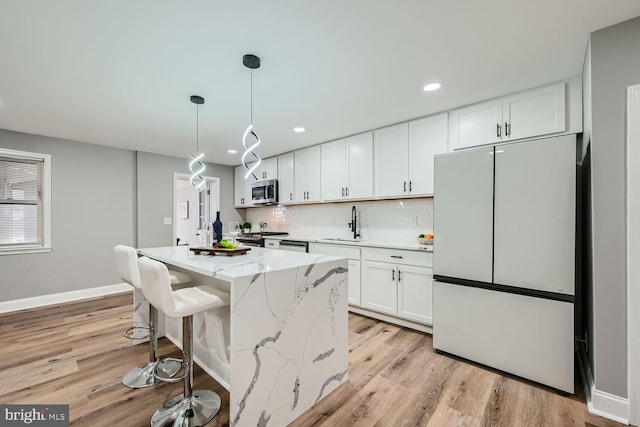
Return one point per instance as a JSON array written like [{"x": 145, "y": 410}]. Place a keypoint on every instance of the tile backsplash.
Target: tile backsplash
[{"x": 399, "y": 221}]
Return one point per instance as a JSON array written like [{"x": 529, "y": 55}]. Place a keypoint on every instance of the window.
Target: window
[{"x": 25, "y": 202}]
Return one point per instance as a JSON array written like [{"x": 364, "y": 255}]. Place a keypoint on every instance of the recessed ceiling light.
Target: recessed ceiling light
[
  {"x": 298, "y": 129},
  {"x": 431, "y": 87},
  {"x": 232, "y": 151}
]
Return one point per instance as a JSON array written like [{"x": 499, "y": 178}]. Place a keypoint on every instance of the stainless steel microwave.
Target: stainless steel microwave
[{"x": 264, "y": 192}]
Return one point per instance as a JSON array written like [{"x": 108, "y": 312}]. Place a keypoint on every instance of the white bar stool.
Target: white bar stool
[
  {"x": 191, "y": 408},
  {"x": 143, "y": 375}
]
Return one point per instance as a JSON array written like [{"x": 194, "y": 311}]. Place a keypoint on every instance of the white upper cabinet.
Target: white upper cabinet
[
  {"x": 535, "y": 112},
  {"x": 268, "y": 169},
  {"x": 390, "y": 167},
  {"x": 285, "y": 179},
  {"x": 549, "y": 110},
  {"x": 307, "y": 174},
  {"x": 334, "y": 170},
  {"x": 242, "y": 188},
  {"x": 476, "y": 125},
  {"x": 347, "y": 168},
  {"x": 403, "y": 161},
  {"x": 427, "y": 137}
]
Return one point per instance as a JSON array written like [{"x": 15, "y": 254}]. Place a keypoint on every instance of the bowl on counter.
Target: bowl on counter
[{"x": 425, "y": 240}]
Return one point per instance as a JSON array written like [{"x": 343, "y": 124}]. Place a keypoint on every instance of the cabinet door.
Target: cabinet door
[
  {"x": 313, "y": 174},
  {"x": 379, "y": 287},
  {"x": 390, "y": 167},
  {"x": 285, "y": 178},
  {"x": 477, "y": 124},
  {"x": 269, "y": 169},
  {"x": 242, "y": 188},
  {"x": 300, "y": 181},
  {"x": 414, "y": 293},
  {"x": 354, "y": 282},
  {"x": 427, "y": 137},
  {"x": 535, "y": 112},
  {"x": 360, "y": 166},
  {"x": 333, "y": 170},
  {"x": 534, "y": 240}
]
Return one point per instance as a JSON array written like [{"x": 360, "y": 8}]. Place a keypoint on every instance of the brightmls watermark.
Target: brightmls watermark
[{"x": 34, "y": 415}]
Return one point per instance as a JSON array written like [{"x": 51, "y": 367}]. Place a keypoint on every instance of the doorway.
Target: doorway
[{"x": 194, "y": 211}]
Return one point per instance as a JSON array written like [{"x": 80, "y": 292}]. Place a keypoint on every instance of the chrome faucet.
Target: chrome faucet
[{"x": 353, "y": 225}]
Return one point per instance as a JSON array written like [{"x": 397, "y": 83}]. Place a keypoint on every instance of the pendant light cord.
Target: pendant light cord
[
  {"x": 197, "y": 129},
  {"x": 251, "y": 74}
]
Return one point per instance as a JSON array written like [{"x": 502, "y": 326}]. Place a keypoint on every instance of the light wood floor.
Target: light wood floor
[{"x": 75, "y": 354}]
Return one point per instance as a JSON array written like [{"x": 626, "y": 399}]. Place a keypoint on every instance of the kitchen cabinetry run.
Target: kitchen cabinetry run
[
  {"x": 307, "y": 174},
  {"x": 347, "y": 168},
  {"x": 398, "y": 283},
  {"x": 353, "y": 254},
  {"x": 285, "y": 178},
  {"x": 242, "y": 188},
  {"x": 549, "y": 110},
  {"x": 403, "y": 156}
]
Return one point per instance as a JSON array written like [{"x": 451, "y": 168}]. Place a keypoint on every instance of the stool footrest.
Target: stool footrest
[
  {"x": 130, "y": 333},
  {"x": 173, "y": 379}
]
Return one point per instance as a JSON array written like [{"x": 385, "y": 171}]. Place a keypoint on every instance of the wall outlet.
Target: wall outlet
[{"x": 167, "y": 220}]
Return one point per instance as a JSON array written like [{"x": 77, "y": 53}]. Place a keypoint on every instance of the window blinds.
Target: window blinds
[{"x": 20, "y": 202}]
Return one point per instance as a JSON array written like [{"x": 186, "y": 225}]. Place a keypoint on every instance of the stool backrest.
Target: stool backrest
[
  {"x": 127, "y": 264},
  {"x": 156, "y": 285}
]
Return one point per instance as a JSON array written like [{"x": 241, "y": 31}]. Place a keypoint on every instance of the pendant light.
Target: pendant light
[
  {"x": 252, "y": 62},
  {"x": 195, "y": 165}
]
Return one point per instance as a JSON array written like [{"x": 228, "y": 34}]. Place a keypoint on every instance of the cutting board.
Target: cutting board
[{"x": 241, "y": 250}]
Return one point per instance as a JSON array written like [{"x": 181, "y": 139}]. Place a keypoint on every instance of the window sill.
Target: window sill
[{"x": 25, "y": 250}]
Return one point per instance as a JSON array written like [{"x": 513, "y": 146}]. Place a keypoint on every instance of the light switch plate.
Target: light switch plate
[{"x": 167, "y": 220}]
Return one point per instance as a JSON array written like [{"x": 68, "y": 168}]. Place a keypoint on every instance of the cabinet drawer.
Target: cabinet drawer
[
  {"x": 398, "y": 256},
  {"x": 272, "y": 243},
  {"x": 336, "y": 250}
]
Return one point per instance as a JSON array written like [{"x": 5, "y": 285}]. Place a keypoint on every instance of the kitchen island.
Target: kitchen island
[{"x": 282, "y": 344}]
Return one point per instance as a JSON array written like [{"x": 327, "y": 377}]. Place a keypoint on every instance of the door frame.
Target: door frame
[
  {"x": 185, "y": 176},
  {"x": 633, "y": 251}
]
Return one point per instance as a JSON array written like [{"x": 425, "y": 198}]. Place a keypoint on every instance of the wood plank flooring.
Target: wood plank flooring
[{"x": 75, "y": 353}]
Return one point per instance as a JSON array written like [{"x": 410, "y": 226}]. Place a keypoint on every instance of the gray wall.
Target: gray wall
[
  {"x": 100, "y": 197},
  {"x": 615, "y": 65},
  {"x": 92, "y": 200},
  {"x": 155, "y": 196}
]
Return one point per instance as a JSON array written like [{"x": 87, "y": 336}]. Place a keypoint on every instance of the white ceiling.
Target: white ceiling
[{"x": 120, "y": 73}]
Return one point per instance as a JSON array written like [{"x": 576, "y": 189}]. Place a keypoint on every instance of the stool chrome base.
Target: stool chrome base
[
  {"x": 142, "y": 376},
  {"x": 179, "y": 411}
]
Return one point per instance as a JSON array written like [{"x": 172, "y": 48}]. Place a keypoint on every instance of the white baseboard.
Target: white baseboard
[
  {"x": 62, "y": 297},
  {"x": 391, "y": 319},
  {"x": 601, "y": 403}
]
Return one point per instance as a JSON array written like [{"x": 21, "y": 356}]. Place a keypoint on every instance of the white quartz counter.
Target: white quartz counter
[
  {"x": 221, "y": 266},
  {"x": 415, "y": 246}
]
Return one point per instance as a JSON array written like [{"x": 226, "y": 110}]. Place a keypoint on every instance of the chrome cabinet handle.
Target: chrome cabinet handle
[
  {"x": 498, "y": 130},
  {"x": 290, "y": 196},
  {"x": 405, "y": 187},
  {"x": 410, "y": 187},
  {"x": 346, "y": 191},
  {"x": 507, "y": 129},
  {"x": 342, "y": 191},
  {"x": 399, "y": 277},
  {"x": 396, "y": 256},
  {"x": 393, "y": 274}
]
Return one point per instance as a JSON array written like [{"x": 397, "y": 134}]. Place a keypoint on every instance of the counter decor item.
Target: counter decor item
[
  {"x": 217, "y": 228},
  {"x": 425, "y": 239},
  {"x": 246, "y": 227}
]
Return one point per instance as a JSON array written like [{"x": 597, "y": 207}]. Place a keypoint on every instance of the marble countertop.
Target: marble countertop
[
  {"x": 257, "y": 260},
  {"x": 361, "y": 243}
]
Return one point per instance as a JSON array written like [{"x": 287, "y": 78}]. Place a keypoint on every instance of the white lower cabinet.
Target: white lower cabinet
[
  {"x": 398, "y": 283},
  {"x": 354, "y": 282}
]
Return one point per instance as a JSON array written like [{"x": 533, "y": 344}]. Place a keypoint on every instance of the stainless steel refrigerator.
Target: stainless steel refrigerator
[{"x": 504, "y": 257}]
